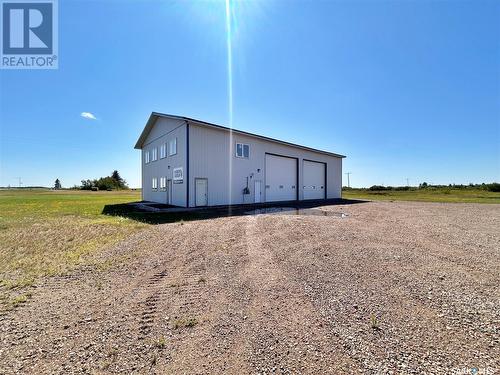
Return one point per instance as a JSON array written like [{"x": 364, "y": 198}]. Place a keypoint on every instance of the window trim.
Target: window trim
[
  {"x": 242, "y": 150},
  {"x": 169, "y": 148}
]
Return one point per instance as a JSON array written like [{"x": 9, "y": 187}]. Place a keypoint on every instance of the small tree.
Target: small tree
[
  {"x": 57, "y": 184},
  {"x": 120, "y": 183},
  {"x": 115, "y": 175},
  {"x": 87, "y": 184},
  {"x": 106, "y": 183}
]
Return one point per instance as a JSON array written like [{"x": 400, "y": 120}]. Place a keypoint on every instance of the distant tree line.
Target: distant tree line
[
  {"x": 494, "y": 187},
  {"x": 113, "y": 182}
]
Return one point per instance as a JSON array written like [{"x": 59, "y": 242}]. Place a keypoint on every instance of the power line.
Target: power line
[
  {"x": 20, "y": 180},
  {"x": 348, "y": 179}
]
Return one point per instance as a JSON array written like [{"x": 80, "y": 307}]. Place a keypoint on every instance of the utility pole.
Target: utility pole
[
  {"x": 348, "y": 179},
  {"x": 20, "y": 181},
  {"x": 407, "y": 181}
]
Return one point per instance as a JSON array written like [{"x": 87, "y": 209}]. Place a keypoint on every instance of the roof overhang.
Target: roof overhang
[{"x": 156, "y": 115}]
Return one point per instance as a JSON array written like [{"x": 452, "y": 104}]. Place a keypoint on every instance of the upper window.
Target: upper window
[
  {"x": 146, "y": 156},
  {"x": 242, "y": 150},
  {"x": 155, "y": 154},
  {"x": 163, "y": 151},
  {"x": 172, "y": 147}
]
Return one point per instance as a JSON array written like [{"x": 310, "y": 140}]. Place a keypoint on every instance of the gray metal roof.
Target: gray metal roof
[{"x": 155, "y": 115}]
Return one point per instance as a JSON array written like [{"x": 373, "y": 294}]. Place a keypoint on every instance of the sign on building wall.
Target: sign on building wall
[{"x": 178, "y": 175}]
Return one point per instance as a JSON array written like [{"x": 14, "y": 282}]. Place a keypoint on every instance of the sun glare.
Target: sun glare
[{"x": 229, "y": 91}]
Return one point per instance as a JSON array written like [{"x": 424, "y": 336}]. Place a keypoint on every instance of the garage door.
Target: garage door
[
  {"x": 281, "y": 178},
  {"x": 314, "y": 180}
]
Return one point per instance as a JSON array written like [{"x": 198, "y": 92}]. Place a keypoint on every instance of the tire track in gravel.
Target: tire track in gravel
[
  {"x": 100, "y": 327},
  {"x": 149, "y": 305}
]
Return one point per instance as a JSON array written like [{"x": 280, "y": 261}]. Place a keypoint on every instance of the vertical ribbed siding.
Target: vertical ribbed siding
[
  {"x": 164, "y": 130},
  {"x": 209, "y": 155},
  {"x": 210, "y": 152}
]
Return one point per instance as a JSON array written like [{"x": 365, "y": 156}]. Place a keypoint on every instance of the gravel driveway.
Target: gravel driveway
[{"x": 391, "y": 288}]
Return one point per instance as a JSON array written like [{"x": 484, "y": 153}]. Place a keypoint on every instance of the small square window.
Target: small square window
[{"x": 242, "y": 150}]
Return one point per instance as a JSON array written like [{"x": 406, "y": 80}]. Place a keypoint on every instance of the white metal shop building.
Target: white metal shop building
[{"x": 192, "y": 163}]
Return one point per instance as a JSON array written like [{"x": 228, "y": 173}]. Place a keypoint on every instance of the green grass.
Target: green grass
[
  {"x": 449, "y": 195},
  {"x": 18, "y": 204},
  {"x": 45, "y": 232}
]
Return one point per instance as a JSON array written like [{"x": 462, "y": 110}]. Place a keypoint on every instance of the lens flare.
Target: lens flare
[
  {"x": 229, "y": 62},
  {"x": 229, "y": 94}
]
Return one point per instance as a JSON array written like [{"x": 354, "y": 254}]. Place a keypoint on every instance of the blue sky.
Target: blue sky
[{"x": 405, "y": 89}]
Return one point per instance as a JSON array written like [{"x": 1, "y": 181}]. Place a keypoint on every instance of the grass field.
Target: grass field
[
  {"x": 449, "y": 195},
  {"x": 44, "y": 233}
]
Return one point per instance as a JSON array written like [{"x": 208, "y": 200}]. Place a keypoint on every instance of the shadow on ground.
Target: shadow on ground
[{"x": 132, "y": 211}]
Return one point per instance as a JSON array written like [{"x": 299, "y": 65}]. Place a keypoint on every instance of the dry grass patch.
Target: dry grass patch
[
  {"x": 50, "y": 233},
  {"x": 185, "y": 322}
]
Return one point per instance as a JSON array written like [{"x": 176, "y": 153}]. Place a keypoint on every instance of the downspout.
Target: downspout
[{"x": 326, "y": 181}]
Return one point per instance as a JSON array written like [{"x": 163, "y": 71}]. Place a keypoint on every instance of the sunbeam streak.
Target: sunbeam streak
[
  {"x": 229, "y": 63},
  {"x": 230, "y": 94}
]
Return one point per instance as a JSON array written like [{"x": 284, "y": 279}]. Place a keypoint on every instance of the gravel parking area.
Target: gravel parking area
[{"x": 394, "y": 287}]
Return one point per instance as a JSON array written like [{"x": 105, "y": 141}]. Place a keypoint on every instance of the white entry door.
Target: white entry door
[
  {"x": 201, "y": 192},
  {"x": 257, "y": 192}
]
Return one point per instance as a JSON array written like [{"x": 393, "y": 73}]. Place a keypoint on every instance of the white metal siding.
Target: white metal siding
[
  {"x": 212, "y": 156},
  {"x": 313, "y": 180},
  {"x": 164, "y": 130},
  {"x": 209, "y": 158},
  {"x": 281, "y": 179}
]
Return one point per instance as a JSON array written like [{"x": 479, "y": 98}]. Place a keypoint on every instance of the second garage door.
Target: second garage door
[
  {"x": 314, "y": 180},
  {"x": 281, "y": 178}
]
